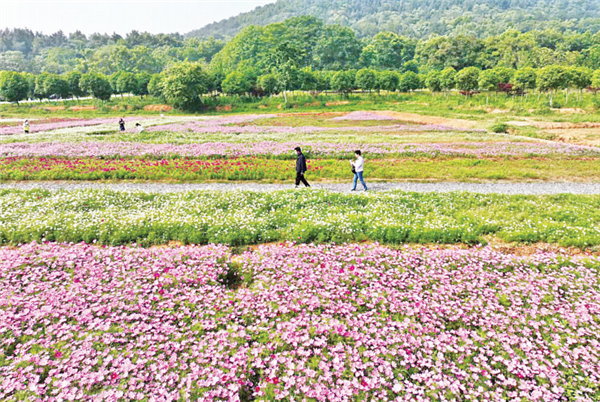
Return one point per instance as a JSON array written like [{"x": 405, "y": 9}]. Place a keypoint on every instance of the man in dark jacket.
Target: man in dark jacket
[{"x": 301, "y": 168}]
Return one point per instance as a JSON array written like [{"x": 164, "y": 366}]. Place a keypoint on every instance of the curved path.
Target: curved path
[{"x": 485, "y": 188}]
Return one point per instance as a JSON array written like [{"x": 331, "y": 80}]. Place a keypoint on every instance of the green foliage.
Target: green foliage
[
  {"x": 388, "y": 80},
  {"x": 499, "y": 128},
  {"x": 141, "y": 86},
  {"x": 489, "y": 80},
  {"x": 525, "y": 79},
  {"x": 183, "y": 84},
  {"x": 366, "y": 79},
  {"x": 448, "y": 78},
  {"x": 433, "y": 81},
  {"x": 14, "y": 87},
  {"x": 596, "y": 79},
  {"x": 127, "y": 83},
  {"x": 236, "y": 83},
  {"x": 467, "y": 79},
  {"x": 72, "y": 78},
  {"x": 389, "y": 51},
  {"x": 343, "y": 81},
  {"x": 96, "y": 85},
  {"x": 551, "y": 78},
  {"x": 268, "y": 83},
  {"x": 409, "y": 81}
]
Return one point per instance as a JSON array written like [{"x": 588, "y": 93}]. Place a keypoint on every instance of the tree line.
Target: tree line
[
  {"x": 317, "y": 45},
  {"x": 188, "y": 85}
]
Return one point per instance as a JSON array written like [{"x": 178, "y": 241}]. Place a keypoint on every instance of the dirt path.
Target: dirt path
[{"x": 421, "y": 119}]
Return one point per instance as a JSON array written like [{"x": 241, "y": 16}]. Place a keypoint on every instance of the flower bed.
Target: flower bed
[
  {"x": 241, "y": 218},
  {"x": 325, "y": 323},
  {"x": 40, "y": 127},
  {"x": 271, "y": 148}
]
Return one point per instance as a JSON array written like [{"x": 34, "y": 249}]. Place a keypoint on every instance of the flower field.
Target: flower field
[
  {"x": 284, "y": 322},
  {"x": 285, "y": 149},
  {"x": 242, "y": 218},
  {"x": 122, "y": 296}
]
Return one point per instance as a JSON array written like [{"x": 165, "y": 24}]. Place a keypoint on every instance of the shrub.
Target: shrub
[{"x": 499, "y": 128}]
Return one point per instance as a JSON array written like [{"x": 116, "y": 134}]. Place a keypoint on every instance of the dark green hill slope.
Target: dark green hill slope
[{"x": 420, "y": 18}]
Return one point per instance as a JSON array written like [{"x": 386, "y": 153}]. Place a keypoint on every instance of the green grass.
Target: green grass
[
  {"x": 244, "y": 218},
  {"x": 475, "y": 108}
]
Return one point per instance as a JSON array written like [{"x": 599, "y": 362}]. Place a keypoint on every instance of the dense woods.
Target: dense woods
[{"x": 420, "y": 19}]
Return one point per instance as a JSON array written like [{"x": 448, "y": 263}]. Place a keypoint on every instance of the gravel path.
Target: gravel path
[{"x": 486, "y": 188}]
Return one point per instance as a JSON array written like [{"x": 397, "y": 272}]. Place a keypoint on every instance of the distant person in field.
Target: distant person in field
[
  {"x": 26, "y": 126},
  {"x": 301, "y": 168},
  {"x": 358, "y": 169},
  {"x": 121, "y": 125},
  {"x": 139, "y": 127}
]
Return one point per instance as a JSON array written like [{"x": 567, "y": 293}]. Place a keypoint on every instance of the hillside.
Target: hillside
[{"x": 420, "y": 18}]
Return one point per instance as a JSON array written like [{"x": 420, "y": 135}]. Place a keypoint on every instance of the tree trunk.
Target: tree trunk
[{"x": 551, "y": 103}]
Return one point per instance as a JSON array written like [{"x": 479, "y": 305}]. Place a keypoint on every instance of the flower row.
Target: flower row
[
  {"x": 325, "y": 323},
  {"x": 242, "y": 218},
  {"x": 285, "y": 149}
]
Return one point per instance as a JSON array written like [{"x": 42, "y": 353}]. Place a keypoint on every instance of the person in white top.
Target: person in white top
[
  {"x": 358, "y": 169},
  {"x": 26, "y": 126},
  {"x": 139, "y": 127}
]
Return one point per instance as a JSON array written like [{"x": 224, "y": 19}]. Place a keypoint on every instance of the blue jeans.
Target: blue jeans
[{"x": 359, "y": 176}]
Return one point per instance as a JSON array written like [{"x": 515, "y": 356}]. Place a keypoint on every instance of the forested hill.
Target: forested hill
[{"x": 420, "y": 18}]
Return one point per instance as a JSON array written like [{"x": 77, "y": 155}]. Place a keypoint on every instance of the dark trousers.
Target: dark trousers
[{"x": 300, "y": 179}]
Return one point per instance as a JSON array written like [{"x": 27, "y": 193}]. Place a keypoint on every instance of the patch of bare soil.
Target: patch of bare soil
[
  {"x": 579, "y": 136},
  {"x": 81, "y": 108},
  {"x": 569, "y": 110},
  {"x": 420, "y": 119}
]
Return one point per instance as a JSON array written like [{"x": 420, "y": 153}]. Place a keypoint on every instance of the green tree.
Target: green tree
[
  {"x": 580, "y": 78},
  {"x": 73, "y": 78},
  {"x": 127, "y": 83},
  {"x": 56, "y": 85},
  {"x": 390, "y": 51},
  {"x": 467, "y": 79},
  {"x": 366, "y": 79},
  {"x": 433, "y": 81},
  {"x": 183, "y": 84},
  {"x": 525, "y": 79},
  {"x": 40, "y": 87},
  {"x": 551, "y": 79},
  {"x": 141, "y": 87},
  {"x": 97, "y": 85},
  {"x": 448, "y": 79},
  {"x": 236, "y": 83},
  {"x": 342, "y": 82},
  {"x": 504, "y": 74},
  {"x": 596, "y": 79},
  {"x": 488, "y": 81},
  {"x": 13, "y": 86},
  {"x": 155, "y": 86},
  {"x": 308, "y": 79},
  {"x": 338, "y": 48},
  {"x": 388, "y": 81},
  {"x": 409, "y": 81},
  {"x": 268, "y": 83}
]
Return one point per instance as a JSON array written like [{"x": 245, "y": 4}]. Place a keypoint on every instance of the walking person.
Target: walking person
[
  {"x": 358, "y": 169},
  {"x": 121, "y": 125},
  {"x": 301, "y": 168},
  {"x": 26, "y": 126}
]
